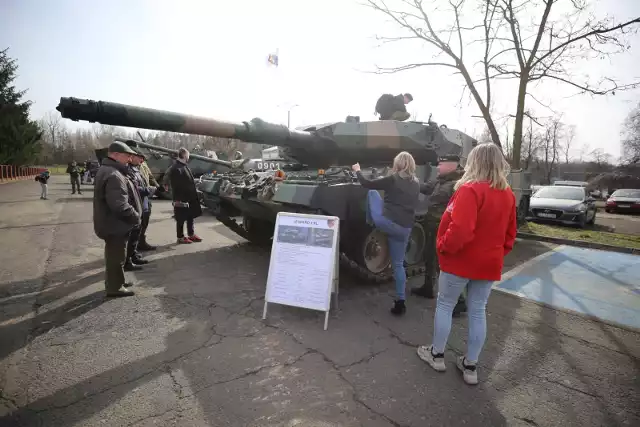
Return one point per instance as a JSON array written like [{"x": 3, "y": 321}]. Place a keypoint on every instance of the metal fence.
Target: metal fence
[{"x": 16, "y": 173}]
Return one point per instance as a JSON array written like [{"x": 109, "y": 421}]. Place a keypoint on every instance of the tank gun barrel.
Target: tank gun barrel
[
  {"x": 174, "y": 152},
  {"x": 115, "y": 114}
]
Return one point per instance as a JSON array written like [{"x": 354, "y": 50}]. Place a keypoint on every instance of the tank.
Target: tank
[{"x": 316, "y": 179}]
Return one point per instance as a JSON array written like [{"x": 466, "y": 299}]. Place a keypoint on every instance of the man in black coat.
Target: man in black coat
[
  {"x": 186, "y": 205},
  {"x": 117, "y": 210}
]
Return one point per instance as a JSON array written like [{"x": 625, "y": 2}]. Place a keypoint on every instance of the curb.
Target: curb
[{"x": 579, "y": 243}]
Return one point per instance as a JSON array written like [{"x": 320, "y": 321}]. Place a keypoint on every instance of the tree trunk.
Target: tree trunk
[{"x": 517, "y": 130}]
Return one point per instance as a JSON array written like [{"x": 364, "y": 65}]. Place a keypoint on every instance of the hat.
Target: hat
[
  {"x": 409, "y": 96},
  {"x": 119, "y": 147},
  {"x": 449, "y": 158},
  {"x": 139, "y": 152}
]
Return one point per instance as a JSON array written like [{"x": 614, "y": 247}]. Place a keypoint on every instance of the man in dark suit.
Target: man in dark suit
[{"x": 186, "y": 205}]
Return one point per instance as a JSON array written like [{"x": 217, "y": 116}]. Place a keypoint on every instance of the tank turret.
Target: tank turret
[{"x": 340, "y": 143}]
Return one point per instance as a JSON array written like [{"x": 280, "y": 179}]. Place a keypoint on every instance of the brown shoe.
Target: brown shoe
[{"x": 122, "y": 292}]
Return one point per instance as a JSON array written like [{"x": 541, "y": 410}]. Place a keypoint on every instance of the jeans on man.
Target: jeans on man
[
  {"x": 45, "y": 190},
  {"x": 397, "y": 238}
]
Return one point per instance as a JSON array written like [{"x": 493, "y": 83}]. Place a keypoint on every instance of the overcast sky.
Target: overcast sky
[{"x": 209, "y": 58}]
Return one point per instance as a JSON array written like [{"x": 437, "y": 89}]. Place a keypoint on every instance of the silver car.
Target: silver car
[{"x": 563, "y": 204}]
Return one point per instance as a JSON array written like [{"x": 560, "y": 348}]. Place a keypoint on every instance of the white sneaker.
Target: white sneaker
[
  {"x": 436, "y": 362},
  {"x": 469, "y": 371}
]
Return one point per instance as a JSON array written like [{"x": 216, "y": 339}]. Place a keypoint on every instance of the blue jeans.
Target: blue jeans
[
  {"x": 397, "y": 237},
  {"x": 449, "y": 289}
]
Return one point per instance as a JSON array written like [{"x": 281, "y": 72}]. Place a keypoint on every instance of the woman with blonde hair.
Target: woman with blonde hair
[
  {"x": 477, "y": 230},
  {"x": 395, "y": 215}
]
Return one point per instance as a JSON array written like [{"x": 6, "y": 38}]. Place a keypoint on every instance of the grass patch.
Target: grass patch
[
  {"x": 57, "y": 170},
  {"x": 585, "y": 235}
]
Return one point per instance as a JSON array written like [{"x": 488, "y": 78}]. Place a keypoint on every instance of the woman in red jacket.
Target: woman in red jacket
[{"x": 477, "y": 230}]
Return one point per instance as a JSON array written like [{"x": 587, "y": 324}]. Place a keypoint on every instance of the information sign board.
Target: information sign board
[{"x": 303, "y": 271}]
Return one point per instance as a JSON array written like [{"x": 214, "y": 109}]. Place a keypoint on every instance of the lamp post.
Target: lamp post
[{"x": 289, "y": 113}]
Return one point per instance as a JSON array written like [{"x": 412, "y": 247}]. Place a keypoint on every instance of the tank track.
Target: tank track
[{"x": 351, "y": 266}]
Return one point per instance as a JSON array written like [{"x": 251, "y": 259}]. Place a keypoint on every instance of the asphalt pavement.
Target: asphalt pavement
[{"x": 191, "y": 348}]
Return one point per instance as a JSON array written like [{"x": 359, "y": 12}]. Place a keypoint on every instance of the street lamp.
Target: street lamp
[{"x": 289, "y": 113}]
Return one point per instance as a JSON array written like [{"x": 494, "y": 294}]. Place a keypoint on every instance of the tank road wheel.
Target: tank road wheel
[
  {"x": 258, "y": 232},
  {"x": 375, "y": 252},
  {"x": 414, "y": 256}
]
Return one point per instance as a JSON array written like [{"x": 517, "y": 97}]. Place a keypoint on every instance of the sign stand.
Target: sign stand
[{"x": 304, "y": 265}]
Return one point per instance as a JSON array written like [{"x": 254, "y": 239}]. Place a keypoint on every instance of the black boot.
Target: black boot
[
  {"x": 138, "y": 260},
  {"x": 426, "y": 291},
  {"x": 129, "y": 266},
  {"x": 144, "y": 246},
  {"x": 398, "y": 308}
]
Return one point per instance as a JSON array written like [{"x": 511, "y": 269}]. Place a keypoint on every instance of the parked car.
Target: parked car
[
  {"x": 569, "y": 205},
  {"x": 624, "y": 200},
  {"x": 571, "y": 183}
]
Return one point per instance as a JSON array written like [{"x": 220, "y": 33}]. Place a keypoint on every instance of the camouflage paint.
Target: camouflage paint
[{"x": 372, "y": 143}]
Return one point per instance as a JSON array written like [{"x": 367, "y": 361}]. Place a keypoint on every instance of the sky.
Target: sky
[{"x": 209, "y": 58}]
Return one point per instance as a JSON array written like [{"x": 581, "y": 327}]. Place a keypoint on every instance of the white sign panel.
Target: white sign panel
[{"x": 304, "y": 259}]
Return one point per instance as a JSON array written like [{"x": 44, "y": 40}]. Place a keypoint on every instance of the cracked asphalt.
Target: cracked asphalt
[{"x": 191, "y": 349}]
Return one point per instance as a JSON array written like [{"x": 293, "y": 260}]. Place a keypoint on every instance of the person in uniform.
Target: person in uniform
[
  {"x": 186, "y": 205},
  {"x": 150, "y": 181},
  {"x": 74, "y": 174},
  {"x": 391, "y": 107},
  {"x": 449, "y": 171},
  {"x": 134, "y": 259},
  {"x": 117, "y": 210}
]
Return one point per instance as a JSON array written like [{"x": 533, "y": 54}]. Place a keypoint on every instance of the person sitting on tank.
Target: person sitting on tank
[
  {"x": 391, "y": 107},
  {"x": 395, "y": 215}
]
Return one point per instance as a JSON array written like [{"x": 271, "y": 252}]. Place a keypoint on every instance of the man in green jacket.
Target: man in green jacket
[
  {"x": 449, "y": 171},
  {"x": 117, "y": 210}
]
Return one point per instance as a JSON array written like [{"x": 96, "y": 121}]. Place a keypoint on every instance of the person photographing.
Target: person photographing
[{"x": 394, "y": 215}]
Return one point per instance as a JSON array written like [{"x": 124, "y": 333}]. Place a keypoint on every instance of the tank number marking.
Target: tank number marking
[{"x": 267, "y": 165}]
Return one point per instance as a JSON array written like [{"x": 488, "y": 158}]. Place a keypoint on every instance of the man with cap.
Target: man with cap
[
  {"x": 134, "y": 259},
  {"x": 391, "y": 107},
  {"x": 117, "y": 210},
  {"x": 449, "y": 171}
]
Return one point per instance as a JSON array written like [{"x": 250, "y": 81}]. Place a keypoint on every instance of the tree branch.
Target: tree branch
[{"x": 595, "y": 32}]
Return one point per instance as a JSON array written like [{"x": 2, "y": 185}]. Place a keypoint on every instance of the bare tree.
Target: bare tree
[
  {"x": 550, "y": 147},
  {"x": 530, "y": 146},
  {"x": 515, "y": 46},
  {"x": 568, "y": 143},
  {"x": 485, "y": 136},
  {"x": 51, "y": 124},
  {"x": 631, "y": 136}
]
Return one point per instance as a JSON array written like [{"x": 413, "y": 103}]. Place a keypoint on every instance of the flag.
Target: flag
[{"x": 273, "y": 58}]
